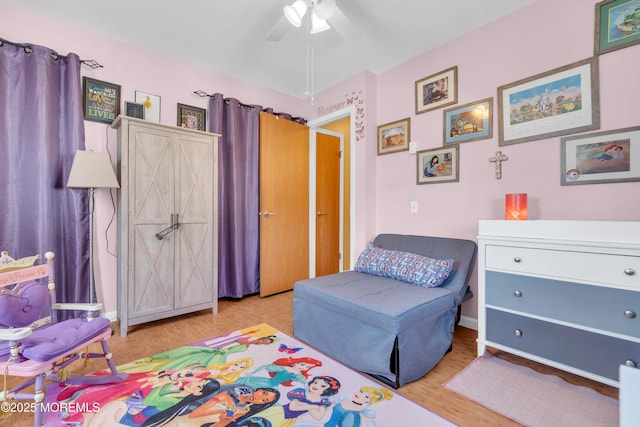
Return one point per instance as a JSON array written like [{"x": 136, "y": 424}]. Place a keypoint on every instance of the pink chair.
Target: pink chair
[{"x": 33, "y": 344}]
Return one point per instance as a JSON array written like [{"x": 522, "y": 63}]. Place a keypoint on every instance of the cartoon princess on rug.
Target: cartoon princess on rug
[
  {"x": 356, "y": 411},
  {"x": 313, "y": 401},
  {"x": 283, "y": 371},
  {"x": 183, "y": 356},
  {"x": 219, "y": 408}
]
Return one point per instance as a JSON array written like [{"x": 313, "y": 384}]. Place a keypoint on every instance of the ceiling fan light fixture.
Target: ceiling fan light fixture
[
  {"x": 318, "y": 25},
  {"x": 295, "y": 12}
]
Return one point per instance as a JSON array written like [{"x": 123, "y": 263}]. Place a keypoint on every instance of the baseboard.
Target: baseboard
[
  {"x": 468, "y": 322},
  {"x": 112, "y": 316}
]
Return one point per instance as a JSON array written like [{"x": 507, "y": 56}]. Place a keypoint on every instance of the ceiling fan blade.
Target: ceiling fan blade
[
  {"x": 343, "y": 25},
  {"x": 279, "y": 30}
]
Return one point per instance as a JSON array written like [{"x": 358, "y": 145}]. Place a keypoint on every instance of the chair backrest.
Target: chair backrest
[
  {"x": 463, "y": 252},
  {"x": 26, "y": 289}
]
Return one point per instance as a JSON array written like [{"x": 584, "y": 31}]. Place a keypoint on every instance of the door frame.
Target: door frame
[
  {"x": 313, "y": 126},
  {"x": 312, "y": 197}
]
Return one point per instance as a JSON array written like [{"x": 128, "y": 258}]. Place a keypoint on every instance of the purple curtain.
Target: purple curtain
[
  {"x": 41, "y": 127},
  {"x": 238, "y": 195}
]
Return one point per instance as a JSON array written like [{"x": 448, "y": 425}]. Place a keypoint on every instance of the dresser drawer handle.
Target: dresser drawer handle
[
  {"x": 518, "y": 259},
  {"x": 629, "y": 271},
  {"x": 630, "y": 363},
  {"x": 518, "y": 332},
  {"x": 517, "y": 294},
  {"x": 630, "y": 314}
]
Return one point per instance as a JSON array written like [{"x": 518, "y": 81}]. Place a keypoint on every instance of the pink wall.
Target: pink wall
[{"x": 546, "y": 35}]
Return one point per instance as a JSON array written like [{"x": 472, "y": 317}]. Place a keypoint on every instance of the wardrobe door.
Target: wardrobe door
[
  {"x": 284, "y": 203},
  {"x": 194, "y": 207},
  {"x": 151, "y": 206}
]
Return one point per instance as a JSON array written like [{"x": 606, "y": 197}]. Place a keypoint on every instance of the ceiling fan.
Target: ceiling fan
[{"x": 321, "y": 15}]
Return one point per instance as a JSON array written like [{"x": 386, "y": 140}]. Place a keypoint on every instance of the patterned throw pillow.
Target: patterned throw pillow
[{"x": 405, "y": 266}]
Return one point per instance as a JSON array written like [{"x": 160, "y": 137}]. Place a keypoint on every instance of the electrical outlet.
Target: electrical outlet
[{"x": 413, "y": 207}]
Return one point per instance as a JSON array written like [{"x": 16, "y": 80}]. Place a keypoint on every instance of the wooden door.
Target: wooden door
[
  {"x": 327, "y": 204},
  {"x": 343, "y": 127},
  {"x": 284, "y": 203}
]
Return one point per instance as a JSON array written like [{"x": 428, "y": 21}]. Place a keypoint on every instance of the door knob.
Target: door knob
[
  {"x": 266, "y": 213},
  {"x": 321, "y": 213}
]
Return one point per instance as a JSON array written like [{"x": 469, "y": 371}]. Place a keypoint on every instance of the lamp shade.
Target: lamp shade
[
  {"x": 295, "y": 12},
  {"x": 515, "y": 206},
  {"x": 92, "y": 170},
  {"x": 318, "y": 25}
]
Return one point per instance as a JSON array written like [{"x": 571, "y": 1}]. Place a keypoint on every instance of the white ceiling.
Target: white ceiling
[{"x": 230, "y": 36}]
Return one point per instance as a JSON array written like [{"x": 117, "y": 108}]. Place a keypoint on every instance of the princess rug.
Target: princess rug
[
  {"x": 257, "y": 376},
  {"x": 532, "y": 398}
]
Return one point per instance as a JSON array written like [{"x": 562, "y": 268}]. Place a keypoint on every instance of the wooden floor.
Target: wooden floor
[{"x": 147, "y": 339}]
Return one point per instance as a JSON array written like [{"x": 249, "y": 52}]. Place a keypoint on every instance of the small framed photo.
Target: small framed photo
[
  {"x": 394, "y": 136},
  {"x": 437, "y": 90},
  {"x": 617, "y": 25},
  {"x": 469, "y": 122},
  {"x": 601, "y": 157},
  {"x": 100, "y": 100},
  {"x": 151, "y": 105},
  {"x": 134, "y": 110},
  {"x": 192, "y": 117},
  {"x": 554, "y": 103},
  {"x": 438, "y": 165}
]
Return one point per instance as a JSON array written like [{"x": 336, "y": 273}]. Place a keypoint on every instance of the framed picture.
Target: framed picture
[
  {"x": 437, "y": 90},
  {"x": 394, "y": 136},
  {"x": 438, "y": 165},
  {"x": 469, "y": 122},
  {"x": 555, "y": 103},
  {"x": 192, "y": 117},
  {"x": 601, "y": 157},
  {"x": 151, "y": 105},
  {"x": 100, "y": 100},
  {"x": 134, "y": 110},
  {"x": 617, "y": 25}
]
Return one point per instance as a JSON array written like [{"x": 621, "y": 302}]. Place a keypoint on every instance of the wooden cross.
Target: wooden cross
[{"x": 498, "y": 159}]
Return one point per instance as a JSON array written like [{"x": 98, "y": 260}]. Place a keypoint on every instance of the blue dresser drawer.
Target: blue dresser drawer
[
  {"x": 603, "y": 308},
  {"x": 591, "y": 352}
]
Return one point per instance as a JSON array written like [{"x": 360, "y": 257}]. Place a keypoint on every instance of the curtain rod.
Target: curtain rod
[
  {"x": 204, "y": 94},
  {"x": 54, "y": 55}
]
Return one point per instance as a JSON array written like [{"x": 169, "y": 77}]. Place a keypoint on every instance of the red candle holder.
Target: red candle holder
[{"x": 515, "y": 206}]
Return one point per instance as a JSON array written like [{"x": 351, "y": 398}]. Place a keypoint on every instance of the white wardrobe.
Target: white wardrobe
[{"x": 167, "y": 221}]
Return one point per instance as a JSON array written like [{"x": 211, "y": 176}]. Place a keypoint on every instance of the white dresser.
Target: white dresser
[{"x": 562, "y": 293}]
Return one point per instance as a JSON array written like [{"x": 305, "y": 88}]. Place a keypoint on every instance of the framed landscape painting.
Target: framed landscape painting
[
  {"x": 394, "y": 136},
  {"x": 438, "y": 165},
  {"x": 469, "y": 122},
  {"x": 601, "y": 157},
  {"x": 437, "y": 90},
  {"x": 558, "y": 102},
  {"x": 617, "y": 25}
]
